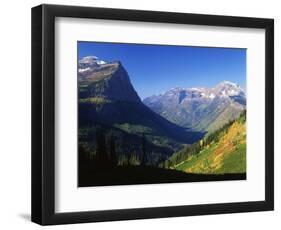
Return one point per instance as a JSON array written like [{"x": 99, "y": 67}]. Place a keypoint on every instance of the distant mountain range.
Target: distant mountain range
[{"x": 201, "y": 109}]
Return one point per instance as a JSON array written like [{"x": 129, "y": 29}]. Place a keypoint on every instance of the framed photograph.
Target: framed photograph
[{"x": 142, "y": 114}]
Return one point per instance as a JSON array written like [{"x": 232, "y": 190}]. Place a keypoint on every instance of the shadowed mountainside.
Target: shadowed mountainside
[{"x": 108, "y": 100}]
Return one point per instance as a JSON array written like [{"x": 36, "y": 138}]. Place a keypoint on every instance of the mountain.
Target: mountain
[
  {"x": 202, "y": 109},
  {"x": 108, "y": 101},
  {"x": 109, "y": 81},
  {"x": 89, "y": 62},
  {"x": 221, "y": 152}
]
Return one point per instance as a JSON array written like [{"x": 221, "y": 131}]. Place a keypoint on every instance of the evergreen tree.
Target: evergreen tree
[
  {"x": 83, "y": 159},
  {"x": 134, "y": 160},
  {"x": 101, "y": 154},
  {"x": 144, "y": 156},
  {"x": 113, "y": 157}
]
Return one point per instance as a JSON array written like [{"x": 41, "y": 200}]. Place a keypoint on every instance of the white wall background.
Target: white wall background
[{"x": 15, "y": 113}]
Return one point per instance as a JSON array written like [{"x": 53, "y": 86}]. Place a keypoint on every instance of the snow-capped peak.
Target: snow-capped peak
[
  {"x": 87, "y": 63},
  {"x": 227, "y": 88},
  {"x": 91, "y": 60},
  {"x": 228, "y": 83},
  {"x": 176, "y": 89},
  {"x": 88, "y": 60}
]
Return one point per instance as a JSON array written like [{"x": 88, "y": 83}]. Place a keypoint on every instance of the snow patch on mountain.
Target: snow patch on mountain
[
  {"x": 82, "y": 70},
  {"x": 211, "y": 96},
  {"x": 100, "y": 62}
]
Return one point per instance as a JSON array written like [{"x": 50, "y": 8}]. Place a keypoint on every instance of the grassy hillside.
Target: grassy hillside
[{"x": 223, "y": 151}]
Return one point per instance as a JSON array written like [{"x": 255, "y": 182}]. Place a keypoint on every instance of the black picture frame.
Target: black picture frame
[{"x": 43, "y": 110}]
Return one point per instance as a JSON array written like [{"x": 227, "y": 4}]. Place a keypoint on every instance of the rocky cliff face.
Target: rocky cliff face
[{"x": 106, "y": 80}]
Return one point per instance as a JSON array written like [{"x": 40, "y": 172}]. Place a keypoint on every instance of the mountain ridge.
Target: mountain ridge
[
  {"x": 99, "y": 81},
  {"x": 199, "y": 107}
]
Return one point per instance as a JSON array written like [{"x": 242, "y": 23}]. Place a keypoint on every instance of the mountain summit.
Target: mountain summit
[
  {"x": 228, "y": 89},
  {"x": 200, "y": 108},
  {"x": 89, "y": 61}
]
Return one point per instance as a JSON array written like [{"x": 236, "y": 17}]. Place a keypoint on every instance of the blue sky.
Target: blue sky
[{"x": 154, "y": 69}]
